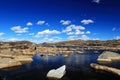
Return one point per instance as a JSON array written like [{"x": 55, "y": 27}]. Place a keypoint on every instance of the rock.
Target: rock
[
  {"x": 51, "y": 54},
  {"x": 7, "y": 56},
  {"x": 8, "y": 62},
  {"x": 105, "y": 68},
  {"x": 24, "y": 59},
  {"x": 96, "y": 52},
  {"x": 108, "y": 56},
  {"x": 58, "y": 73},
  {"x": 66, "y": 56},
  {"x": 79, "y": 52},
  {"x": 7, "y": 52}
]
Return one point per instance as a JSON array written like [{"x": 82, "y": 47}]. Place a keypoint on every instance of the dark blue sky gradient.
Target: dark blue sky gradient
[{"x": 106, "y": 15}]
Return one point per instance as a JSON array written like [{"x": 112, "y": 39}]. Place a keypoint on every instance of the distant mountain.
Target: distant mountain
[{"x": 107, "y": 43}]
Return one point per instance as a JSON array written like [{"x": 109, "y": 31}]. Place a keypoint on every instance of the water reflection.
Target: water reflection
[{"x": 77, "y": 68}]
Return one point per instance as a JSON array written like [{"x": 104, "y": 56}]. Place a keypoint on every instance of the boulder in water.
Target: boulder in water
[
  {"x": 108, "y": 56},
  {"x": 57, "y": 73}
]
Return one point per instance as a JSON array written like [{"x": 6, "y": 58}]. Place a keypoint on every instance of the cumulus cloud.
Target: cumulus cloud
[
  {"x": 40, "y": 22},
  {"x": 2, "y": 39},
  {"x": 73, "y": 38},
  {"x": 63, "y": 22},
  {"x": 29, "y": 24},
  {"x": 84, "y": 37},
  {"x": 96, "y": 39},
  {"x": 50, "y": 39},
  {"x": 31, "y": 34},
  {"x": 1, "y": 33},
  {"x": 74, "y": 29},
  {"x": 96, "y": 1},
  {"x": 19, "y": 30},
  {"x": 57, "y": 39},
  {"x": 87, "y": 21},
  {"x": 47, "y": 32},
  {"x": 13, "y": 39},
  {"x": 47, "y": 40},
  {"x": 117, "y": 37},
  {"x": 88, "y": 32}
]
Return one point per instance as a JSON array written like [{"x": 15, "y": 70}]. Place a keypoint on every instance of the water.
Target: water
[{"x": 78, "y": 68}]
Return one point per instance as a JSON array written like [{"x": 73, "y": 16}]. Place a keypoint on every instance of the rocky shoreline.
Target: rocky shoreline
[{"x": 23, "y": 51}]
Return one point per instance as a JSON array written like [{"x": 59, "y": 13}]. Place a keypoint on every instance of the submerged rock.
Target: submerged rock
[
  {"x": 57, "y": 73},
  {"x": 105, "y": 68},
  {"x": 108, "y": 56}
]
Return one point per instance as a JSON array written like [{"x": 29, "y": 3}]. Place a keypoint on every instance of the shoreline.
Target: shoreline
[{"x": 25, "y": 55}]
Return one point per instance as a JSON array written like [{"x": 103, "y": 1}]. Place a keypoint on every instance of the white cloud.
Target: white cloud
[
  {"x": 13, "y": 39},
  {"x": 50, "y": 40},
  {"x": 2, "y": 39},
  {"x": 57, "y": 39},
  {"x": 87, "y": 21},
  {"x": 18, "y": 29},
  {"x": 70, "y": 33},
  {"x": 79, "y": 32},
  {"x": 95, "y": 39},
  {"x": 117, "y": 37},
  {"x": 1, "y": 33},
  {"x": 40, "y": 22},
  {"x": 31, "y": 34},
  {"x": 47, "y": 40},
  {"x": 84, "y": 37},
  {"x": 67, "y": 22},
  {"x": 88, "y": 32},
  {"x": 73, "y": 29},
  {"x": 73, "y": 38},
  {"x": 47, "y": 32},
  {"x": 113, "y": 29},
  {"x": 29, "y": 24},
  {"x": 96, "y": 1}
]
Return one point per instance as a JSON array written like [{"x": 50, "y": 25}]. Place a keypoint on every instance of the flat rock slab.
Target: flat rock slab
[
  {"x": 108, "y": 56},
  {"x": 105, "y": 68},
  {"x": 24, "y": 58},
  {"x": 7, "y": 56},
  {"x": 8, "y": 62}
]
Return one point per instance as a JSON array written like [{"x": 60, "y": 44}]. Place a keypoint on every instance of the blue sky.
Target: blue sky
[{"x": 59, "y": 20}]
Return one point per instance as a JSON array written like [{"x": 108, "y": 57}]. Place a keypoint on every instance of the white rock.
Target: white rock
[{"x": 57, "y": 73}]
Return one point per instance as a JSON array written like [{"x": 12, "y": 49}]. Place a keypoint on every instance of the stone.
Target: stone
[
  {"x": 24, "y": 59},
  {"x": 8, "y": 62},
  {"x": 108, "y": 56},
  {"x": 57, "y": 73},
  {"x": 105, "y": 68}
]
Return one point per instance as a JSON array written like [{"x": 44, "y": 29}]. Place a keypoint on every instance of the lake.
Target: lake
[{"x": 77, "y": 68}]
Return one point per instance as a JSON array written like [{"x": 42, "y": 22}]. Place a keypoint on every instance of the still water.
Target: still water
[{"x": 77, "y": 68}]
